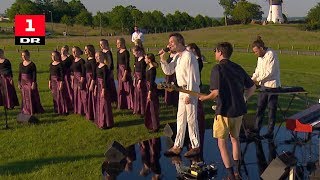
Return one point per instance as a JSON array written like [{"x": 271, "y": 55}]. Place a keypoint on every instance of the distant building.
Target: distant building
[
  {"x": 3, "y": 17},
  {"x": 275, "y": 11}
]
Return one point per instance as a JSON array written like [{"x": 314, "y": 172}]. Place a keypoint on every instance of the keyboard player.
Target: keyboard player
[{"x": 266, "y": 75}]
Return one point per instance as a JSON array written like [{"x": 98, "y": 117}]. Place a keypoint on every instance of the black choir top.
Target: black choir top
[
  {"x": 110, "y": 58},
  {"x": 200, "y": 63},
  {"x": 123, "y": 59},
  {"x": 30, "y": 69},
  {"x": 56, "y": 70},
  {"x": 103, "y": 73},
  {"x": 140, "y": 66},
  {"x": 91, "y": 66},
  {"x": 79, "y": 67},
  {"x": 66, "y": 64},
  {"x": 5, "y": 68},
  {"x": 151, "y": 77}
]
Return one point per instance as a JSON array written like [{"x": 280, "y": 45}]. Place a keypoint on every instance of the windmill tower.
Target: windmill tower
[{"x": 275, "y": 11}]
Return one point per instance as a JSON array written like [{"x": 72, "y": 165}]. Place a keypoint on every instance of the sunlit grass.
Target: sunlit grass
[{"x": 71, "y": 147}]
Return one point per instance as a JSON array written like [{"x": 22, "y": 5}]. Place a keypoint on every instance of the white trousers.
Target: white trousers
[{"x": 187, "y": 114}]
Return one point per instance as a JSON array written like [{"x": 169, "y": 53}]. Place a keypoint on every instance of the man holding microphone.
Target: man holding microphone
[{"x": 187, "y": 73}]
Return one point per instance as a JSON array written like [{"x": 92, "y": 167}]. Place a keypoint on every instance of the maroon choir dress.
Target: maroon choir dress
[
  {"x": 125, "y": 88},
  {"x": 8, "y": 94},
  {"x": 104, "y": 116},
  {"x": 59, "y": 95},
  {"x": 79, "y": 88},
  {"x": 91, "y": 75},
  {"x": 171, "y": 98},
  {"x": 66, "y": 64},
  {"x": 151, "y": 118},
  {"x": 30, "y": 97},
  {"x": 113, "y": 90},
  {"x": 140, "y": 93}
]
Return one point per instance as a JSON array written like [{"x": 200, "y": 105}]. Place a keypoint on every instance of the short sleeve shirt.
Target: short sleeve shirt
[{"x": 231, "y": 80}]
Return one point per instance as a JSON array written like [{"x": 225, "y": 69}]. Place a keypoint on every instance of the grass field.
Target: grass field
[
  {"x": 285, "y": 37},
  {"x": 71, "y": 147}
]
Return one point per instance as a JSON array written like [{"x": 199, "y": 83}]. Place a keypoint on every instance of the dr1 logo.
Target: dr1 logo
[{"x": 29, "y": 29}]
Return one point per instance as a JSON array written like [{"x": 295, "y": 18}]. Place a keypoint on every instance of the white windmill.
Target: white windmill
[{"x": 275, "y": 11}]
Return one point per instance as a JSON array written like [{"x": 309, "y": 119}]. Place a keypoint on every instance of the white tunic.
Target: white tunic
[
  {"x": 187, "y": 73},
  {"x": 137, "y": 35},
  {"x": 186, "y": 69},
  {"x": 267, "y": 72}
]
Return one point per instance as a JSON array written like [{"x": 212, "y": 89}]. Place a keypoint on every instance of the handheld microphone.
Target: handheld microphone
[{"x": 165, "y": 50}]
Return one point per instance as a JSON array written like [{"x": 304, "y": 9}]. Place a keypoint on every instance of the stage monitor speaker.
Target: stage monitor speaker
[
  {"x": 170, "y": 129},
  {"x": 26, "y": 118},
  {"x": 280, "y": 166},
  {"x": 115, "y": 152}
]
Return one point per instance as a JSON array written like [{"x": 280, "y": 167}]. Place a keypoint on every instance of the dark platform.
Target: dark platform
[{"x": 257, "y": 155}]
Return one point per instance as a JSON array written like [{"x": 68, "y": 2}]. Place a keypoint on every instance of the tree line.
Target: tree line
[
  {"x": 119, "y": 18},
  {"x": 123, "y": 19}
]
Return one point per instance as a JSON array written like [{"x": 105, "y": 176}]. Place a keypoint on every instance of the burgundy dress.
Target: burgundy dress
[
  {"x": 66, "y": 64},
  {"x": 8, "y": 94},
  {"x": 79, "y": 88},
  {"x": 151, "y": 118},
  {"x": 59, "y": 96},
  {"x": 140, "y": 93},
  {"x": 125, "y": 88},
  {"x": 30, "y": 97},
  {"x": 104, "y": 116},
  {"x": 150, "y": 155},
  {"x": 171, "y": 98},
  {"x": 91, "y": 75},
  {"x": 113, "y": 90}
]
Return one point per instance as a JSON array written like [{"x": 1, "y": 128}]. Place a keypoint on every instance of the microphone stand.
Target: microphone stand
[{"x": 2, "y": 88}]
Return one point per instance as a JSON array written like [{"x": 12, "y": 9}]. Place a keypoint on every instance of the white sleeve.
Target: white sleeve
[
  {"x": 255, "y": 74},
  {"x": 168, "y": 68},
  {"x": 133, "y": 37},
  {"x": 193, "y": 80},
  {"x": 270, "y": 67}
]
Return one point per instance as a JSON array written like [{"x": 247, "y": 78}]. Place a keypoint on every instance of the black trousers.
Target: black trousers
[{"x": 265, "y": 100}]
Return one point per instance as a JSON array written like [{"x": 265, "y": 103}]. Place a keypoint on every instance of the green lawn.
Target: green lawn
[{"x": 71, "y": 147}]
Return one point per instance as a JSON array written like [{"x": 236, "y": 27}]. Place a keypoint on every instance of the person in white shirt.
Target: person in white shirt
[
  {"x": 188, "y": 77},
  {"x": 267, "y": 75},
  {"x": 137, "y": 35}
]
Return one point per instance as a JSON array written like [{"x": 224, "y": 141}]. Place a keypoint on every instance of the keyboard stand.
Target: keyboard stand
[{"x": 285, "y": 111}]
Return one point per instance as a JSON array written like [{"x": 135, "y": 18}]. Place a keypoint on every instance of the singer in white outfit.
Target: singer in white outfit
[
  {"x": 137, "y": 34},
  {"x": 187, "y": 73}
]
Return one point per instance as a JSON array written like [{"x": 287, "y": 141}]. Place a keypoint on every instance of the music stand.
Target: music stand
[{"x": 3, "y": 96}]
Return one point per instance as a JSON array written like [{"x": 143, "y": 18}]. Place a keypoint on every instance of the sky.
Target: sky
[{"x": 211, "y": 8}]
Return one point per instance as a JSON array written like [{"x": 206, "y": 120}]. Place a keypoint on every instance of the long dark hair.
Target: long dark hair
[
  {"x": 91, "y": 50},
  {"x": 139, "y": 49},
  {"x": 196, "y": 49},
  {"x": 152, "y": 59},
  {"x": 258, "y": 43},
  {"x": 26, "y": 52},
  {"x": 103, "y": 60},
  {"x": 122, "y": 42},
  {"x": 57, "y": 54},
  {"x": 78, "y": 49},
  {"x": 105, "y": 42}
]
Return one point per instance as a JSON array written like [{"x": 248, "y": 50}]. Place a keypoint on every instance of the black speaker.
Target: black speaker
[
  {"x": 110, "y": 170},
  {"x": 280, "y": 166},
  {"x": 26, "y": 118},
  {"x": 115, "y": 152},
  {"x": 170, "y": 130}
]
